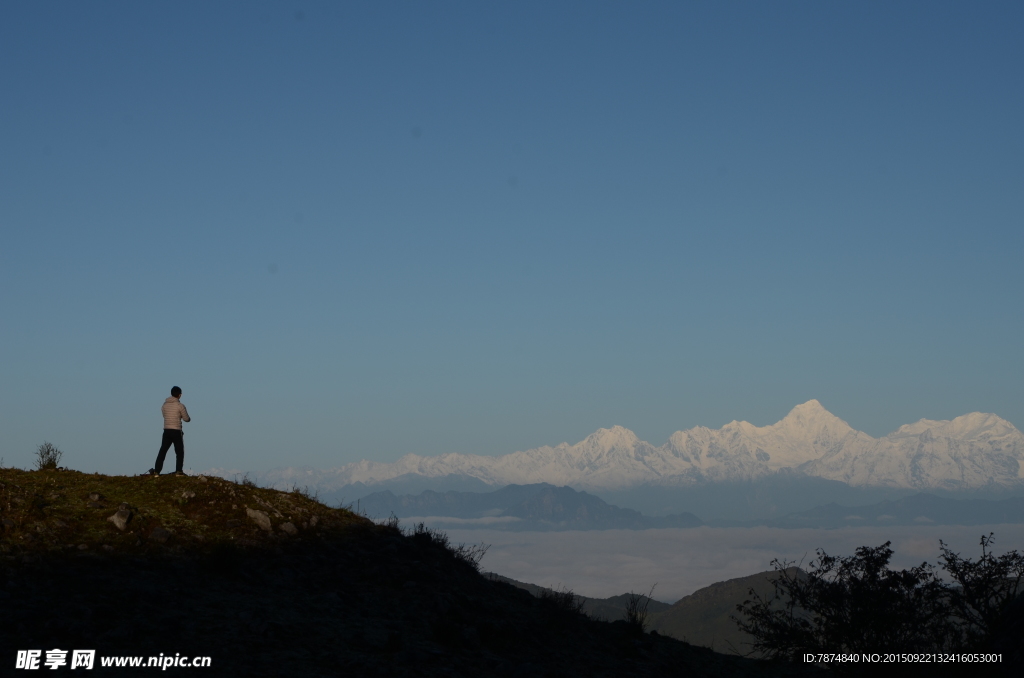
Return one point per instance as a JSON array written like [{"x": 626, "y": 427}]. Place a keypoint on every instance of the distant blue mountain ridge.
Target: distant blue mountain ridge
[
  {"x": 542, "y": 506},
  {"x": 538, "y": 506}
]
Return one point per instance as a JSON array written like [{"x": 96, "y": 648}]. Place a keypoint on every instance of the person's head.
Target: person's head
[{"x": 175, "y": 392}]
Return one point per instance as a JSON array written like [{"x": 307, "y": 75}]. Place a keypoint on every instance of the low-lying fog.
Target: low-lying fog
[{"x": 605, "y": 563}]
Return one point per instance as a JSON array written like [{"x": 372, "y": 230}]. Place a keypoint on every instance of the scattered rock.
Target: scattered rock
[
  {"x": 83, "y": 547},
  {"x": 188, "y": 494},
  {"x": 202, "y": 479},
  {"x": 314, "y": 520},
  {"x": 121, "y": 519},
  {"x": 260, "y": 518},
  {"x": 267, "y": 505},
  {"x": 95, "y": 496},
  {"x": 289, "y": 528},
  {"x": 59, "y": 523},
  {"x": 124, "y": 506},
  {"x": 160, "y": 535}
]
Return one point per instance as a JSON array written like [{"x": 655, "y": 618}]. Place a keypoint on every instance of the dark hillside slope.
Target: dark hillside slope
[
  {"x": 270, "y": 583},
  {"x": 603, "y": 609},
  {"x": 705, "y": 617}
]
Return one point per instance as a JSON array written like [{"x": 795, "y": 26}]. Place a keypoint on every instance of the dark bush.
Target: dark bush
[
  {"x": 48, "y": 456},
  {"x": 848, "y": 604},
  {"x": 563, "y": 599},
  {"x": 857, "y": 604},
  {"x": 984, "y": 594}
]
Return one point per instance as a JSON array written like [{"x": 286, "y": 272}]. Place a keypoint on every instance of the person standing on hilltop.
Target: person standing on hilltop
[{"x": 174, "y": 413}]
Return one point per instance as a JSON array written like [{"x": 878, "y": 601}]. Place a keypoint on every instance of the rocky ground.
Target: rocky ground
[{"x": 270, "y": 583}]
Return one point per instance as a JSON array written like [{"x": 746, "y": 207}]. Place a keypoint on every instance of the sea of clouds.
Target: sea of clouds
[{"x": 604, "y": 563}]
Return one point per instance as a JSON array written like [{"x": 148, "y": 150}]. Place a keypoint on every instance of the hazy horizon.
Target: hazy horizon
[{"x": 605, "y": 563}]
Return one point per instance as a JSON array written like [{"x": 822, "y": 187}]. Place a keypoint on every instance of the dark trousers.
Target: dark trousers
[{"x": 175, "y": 437}]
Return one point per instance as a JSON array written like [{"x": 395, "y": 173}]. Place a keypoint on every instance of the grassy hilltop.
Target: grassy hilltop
[{"x": 272, "y": 583}]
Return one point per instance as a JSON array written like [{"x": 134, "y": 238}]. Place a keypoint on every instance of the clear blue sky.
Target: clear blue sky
[{"x": 358, "y": 230}]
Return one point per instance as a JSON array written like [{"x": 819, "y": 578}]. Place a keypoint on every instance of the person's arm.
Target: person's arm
[{"x": 184, "y": 413}]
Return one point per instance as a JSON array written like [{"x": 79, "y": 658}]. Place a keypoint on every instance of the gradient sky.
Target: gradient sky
[{"x": 359, "y": 230}]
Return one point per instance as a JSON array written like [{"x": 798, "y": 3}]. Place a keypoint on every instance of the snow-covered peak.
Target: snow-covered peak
[
  {"x": 811, "y": 418},
  {"x": 917, "y": 428},
  {"x": 811, "y": 407},
  {"x": 973, "y": 450},
  {"x": 978, "y": 426},
  {"x": 607, "y": 438},
  {"x": 972, "y": 426}
]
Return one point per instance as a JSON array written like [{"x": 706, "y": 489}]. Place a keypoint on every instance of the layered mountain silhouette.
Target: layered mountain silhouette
[
  {"x": 544, "y": 507},
  {"x": 705, "y": 617},
  {"x": 517, "y": 507},
  {"x": 973, "y": 451}
]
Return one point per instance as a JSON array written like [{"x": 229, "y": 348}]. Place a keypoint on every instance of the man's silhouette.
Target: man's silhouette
[{"x": 174, "y": 413}]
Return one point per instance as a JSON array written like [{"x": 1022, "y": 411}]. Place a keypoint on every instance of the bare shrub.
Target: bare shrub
[
  {"x": 420, "y": 532},
  {"x": 985, "y": 593},
  {"x": 636, "y": 610},
  {"x": 471, "y": 554},
  {"x": 306, "y": 493},
  {"x": 48, "y": 456}
]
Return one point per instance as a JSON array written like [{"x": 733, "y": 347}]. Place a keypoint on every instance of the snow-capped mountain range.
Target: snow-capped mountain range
[{"x": 972, "y": 451}]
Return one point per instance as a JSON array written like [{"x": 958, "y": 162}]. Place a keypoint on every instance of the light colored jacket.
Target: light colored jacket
[{"x": 174, "y": 413}]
